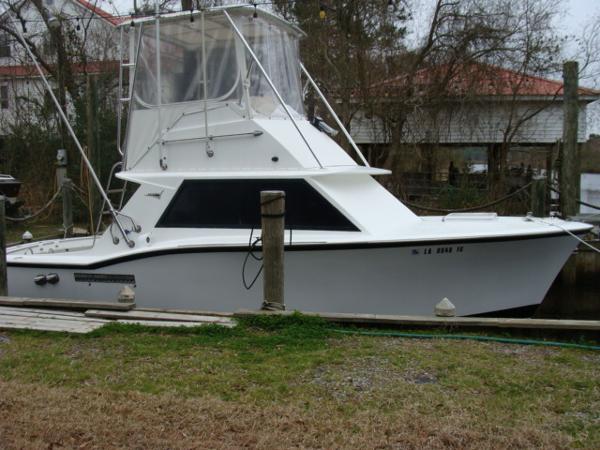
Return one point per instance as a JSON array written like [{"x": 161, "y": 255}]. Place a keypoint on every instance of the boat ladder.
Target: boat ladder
[{"x": 124, "y": 98}]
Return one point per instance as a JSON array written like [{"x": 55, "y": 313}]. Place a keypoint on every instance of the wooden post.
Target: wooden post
[
  {"x": 272, "y": 208},
  {"x": 569, "y": 179},
  {"x": 67, "y": 204},
  {"x": 90, "y": 109},
  {"x": 3, "y": 275},
  {"x": 538, "y": 197},
  {"x": 61, "y": 166}
]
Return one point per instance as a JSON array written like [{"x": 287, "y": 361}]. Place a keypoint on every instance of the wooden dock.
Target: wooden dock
[
  {"x": 474, "y": 323},
  {"x": 47, "y": 320},
  {"x": 82, "y": 317},
  {"x": 73, "y": 316}
]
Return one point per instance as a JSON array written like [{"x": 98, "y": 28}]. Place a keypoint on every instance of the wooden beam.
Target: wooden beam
[
  {"x": 45, "y": 314},
  {"x": 570, "y": 172},
  {"x": 3, "y": 275},
  {"x": 272, "y": 208},
  {"x": 160, "y": 316},
  {"x": 67, "y": 205},
  {"x": 64, "y": 303},
  {"x": 538, "y": 197},
  {"x": 48, "y": 324},
  {"x": 170, "y": 323},
  {"x": 433, "y": 321}
]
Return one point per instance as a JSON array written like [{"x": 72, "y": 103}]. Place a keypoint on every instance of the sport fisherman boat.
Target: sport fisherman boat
[{"x": 215, "y": 117}]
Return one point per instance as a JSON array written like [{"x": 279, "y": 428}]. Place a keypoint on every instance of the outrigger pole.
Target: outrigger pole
[{"x": 63, "y": 116}]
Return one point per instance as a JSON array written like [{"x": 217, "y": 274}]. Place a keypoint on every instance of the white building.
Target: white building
[
  {"x": 88, "y": 29},
  {"x": 512, "y": 108}
]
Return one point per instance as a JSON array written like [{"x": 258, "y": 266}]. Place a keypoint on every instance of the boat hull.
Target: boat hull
[{"x": 393, "y": 278}]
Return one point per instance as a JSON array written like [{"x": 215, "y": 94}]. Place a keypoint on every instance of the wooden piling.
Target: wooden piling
[
  {"x": 67, "y": 204},
  {"x": 3, "y": 275},
  {"x": 569, "y": 179},
  {"x": 272, "y": 207},
  {"x": 538, "y": 197}
]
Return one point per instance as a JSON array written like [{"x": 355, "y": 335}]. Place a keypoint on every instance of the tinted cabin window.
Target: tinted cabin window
[{"x": 236, "y": 204}]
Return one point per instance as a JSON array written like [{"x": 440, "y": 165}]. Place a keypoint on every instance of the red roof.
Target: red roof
[
  {"x": 484, "y": 80},
  {"x": 30, "y": 70},
  {"x": 100, "y": 12}
]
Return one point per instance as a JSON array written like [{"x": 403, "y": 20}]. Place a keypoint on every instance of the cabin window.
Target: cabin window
[
  {"x": 4, "y": 97},
  {"x": 4, "y": 46},
  {"x": 236, "y": 204}
]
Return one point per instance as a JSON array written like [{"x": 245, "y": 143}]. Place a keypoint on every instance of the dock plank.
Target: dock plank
[
  {"x": 157, "y": 316},
  {"x": 416, "y": 321},
  {"x": 48, "y": 324},
  {"x": 47, "y": 315},
  {"x": 64, "y": 303},
  {"x": 171, "y": 323}
]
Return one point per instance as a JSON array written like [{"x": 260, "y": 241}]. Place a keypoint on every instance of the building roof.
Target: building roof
[
  {"x": 484, "y": 80},
  {"x": 29, "y": 71},
  {"x": 100, "y": 12}
]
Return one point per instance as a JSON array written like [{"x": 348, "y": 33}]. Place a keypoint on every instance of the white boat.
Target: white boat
[{"x": 215, "y": 117}]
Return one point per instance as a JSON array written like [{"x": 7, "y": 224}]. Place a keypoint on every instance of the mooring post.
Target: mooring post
[
  {"x": 3, "y": 276},
  {"x": 272, "y": 209},
  {"x": 569, "y": 179},
  {"x": 538, "y": 197},
  {"x": 67, "y": 201}
]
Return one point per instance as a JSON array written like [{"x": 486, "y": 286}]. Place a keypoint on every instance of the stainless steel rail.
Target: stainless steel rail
[
  {"x": 335, "y": 116},
  {"x": 270, "y": 82},
  {"x": 85, "y": 159}
]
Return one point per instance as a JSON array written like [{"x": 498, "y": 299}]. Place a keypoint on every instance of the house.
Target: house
[
  {"x": 82, "y": 22},
  {"x": 477, "y": 109}
]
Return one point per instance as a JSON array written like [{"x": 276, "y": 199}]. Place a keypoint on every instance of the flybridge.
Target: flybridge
[{"x": 212, "y": 89}]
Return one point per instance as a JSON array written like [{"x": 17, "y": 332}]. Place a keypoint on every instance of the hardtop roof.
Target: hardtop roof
[{"x": 237, "y": 9}]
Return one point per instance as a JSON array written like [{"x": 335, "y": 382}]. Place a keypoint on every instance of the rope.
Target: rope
[
  {"x": 589, "y": 205},
  {"x": 251, "y": 248},
  {"x": 536, "y": 219},
  {"x": 474, "y": 208},
  {"x": 32, "y": 216}
]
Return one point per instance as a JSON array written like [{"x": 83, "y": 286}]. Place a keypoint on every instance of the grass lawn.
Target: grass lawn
[{"x": 287, "y": 383}]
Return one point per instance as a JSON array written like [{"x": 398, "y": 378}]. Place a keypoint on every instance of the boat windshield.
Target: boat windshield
[
  {"x": 277, "y": 50},
  {"x": 228, "y": 65},
  {"x": 181, "y": 71}
]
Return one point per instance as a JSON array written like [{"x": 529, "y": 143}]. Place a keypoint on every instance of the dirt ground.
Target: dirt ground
[{"x": 39, "y": 417}]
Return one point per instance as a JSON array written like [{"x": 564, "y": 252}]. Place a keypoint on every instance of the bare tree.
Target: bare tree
[{"x": 458, "y": 66}]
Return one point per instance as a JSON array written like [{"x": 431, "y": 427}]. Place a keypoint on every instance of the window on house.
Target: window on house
[
  {"x": 4, "y": 46},
  {"x": 236, "y": 204},
  {"x": 4, "y": 97}
]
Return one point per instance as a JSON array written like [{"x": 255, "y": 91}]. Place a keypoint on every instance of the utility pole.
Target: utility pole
[{"x": 570, "y": 169}]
